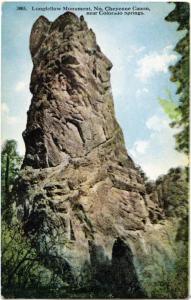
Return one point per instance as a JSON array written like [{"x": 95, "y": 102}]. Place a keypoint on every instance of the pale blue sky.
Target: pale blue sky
[{"x": 140, "y": 48}]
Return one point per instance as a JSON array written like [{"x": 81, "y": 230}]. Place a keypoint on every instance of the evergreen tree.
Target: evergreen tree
[
  {"x": 180, "y": 75},
  {"x": 10, "y": 165}
]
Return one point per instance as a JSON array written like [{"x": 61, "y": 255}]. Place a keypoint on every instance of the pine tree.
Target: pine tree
[
  {"x": 180, "y": 75},
  {"x": 10, "y": 165}
]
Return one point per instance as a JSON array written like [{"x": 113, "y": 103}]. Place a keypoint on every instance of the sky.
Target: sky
[{"x": 141, "y": 50}]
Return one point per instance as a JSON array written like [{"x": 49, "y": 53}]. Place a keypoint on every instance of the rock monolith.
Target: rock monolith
[{"x": 80, "y": 196}]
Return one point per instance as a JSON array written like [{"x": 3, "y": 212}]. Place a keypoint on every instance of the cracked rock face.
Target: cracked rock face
[
  {"x": 71, "y": 113},
  {"x": 79, "y": 194}
]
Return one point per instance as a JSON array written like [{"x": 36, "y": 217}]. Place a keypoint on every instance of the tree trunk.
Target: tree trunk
[{"x": 7, "y": 176}]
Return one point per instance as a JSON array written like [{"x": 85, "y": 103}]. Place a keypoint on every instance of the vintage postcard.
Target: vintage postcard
[{"x": 95, "y": 145}]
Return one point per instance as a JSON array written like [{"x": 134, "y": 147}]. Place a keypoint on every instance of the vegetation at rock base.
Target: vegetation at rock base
[
  {"x": 179, "y": 113},
  {"x": 19, "y": 258},
  {"x": 172, "y": 280},
  {"x": 22, "y": 273},
  {"x": 25, "y": 276}
]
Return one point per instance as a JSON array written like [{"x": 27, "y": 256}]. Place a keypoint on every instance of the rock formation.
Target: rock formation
[{"x": 80, "y": 196}]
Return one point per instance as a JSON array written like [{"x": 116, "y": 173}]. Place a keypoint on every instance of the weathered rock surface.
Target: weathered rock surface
[
  {"x": 170, "y": 192},
  {"x": 79, "y": 195}
]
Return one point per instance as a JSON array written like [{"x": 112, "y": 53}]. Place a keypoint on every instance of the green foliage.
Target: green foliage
[
  {"x": 23, "y": 273},
  {"x": 169, "y": 107},
  {"x": 164, "y": 276},
  {"x": 172, "y": 280},
  {"x": 180, "y": 75},
  {"x": 10, "y": 166}
]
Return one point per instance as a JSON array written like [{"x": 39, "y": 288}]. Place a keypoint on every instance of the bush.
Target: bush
[{"x": 23, "y": 273}]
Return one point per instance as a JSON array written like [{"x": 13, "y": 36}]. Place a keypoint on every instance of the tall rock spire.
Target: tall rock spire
[
  {"x": 72, "y": 112},
  {"x": 80, "y": 197}
]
